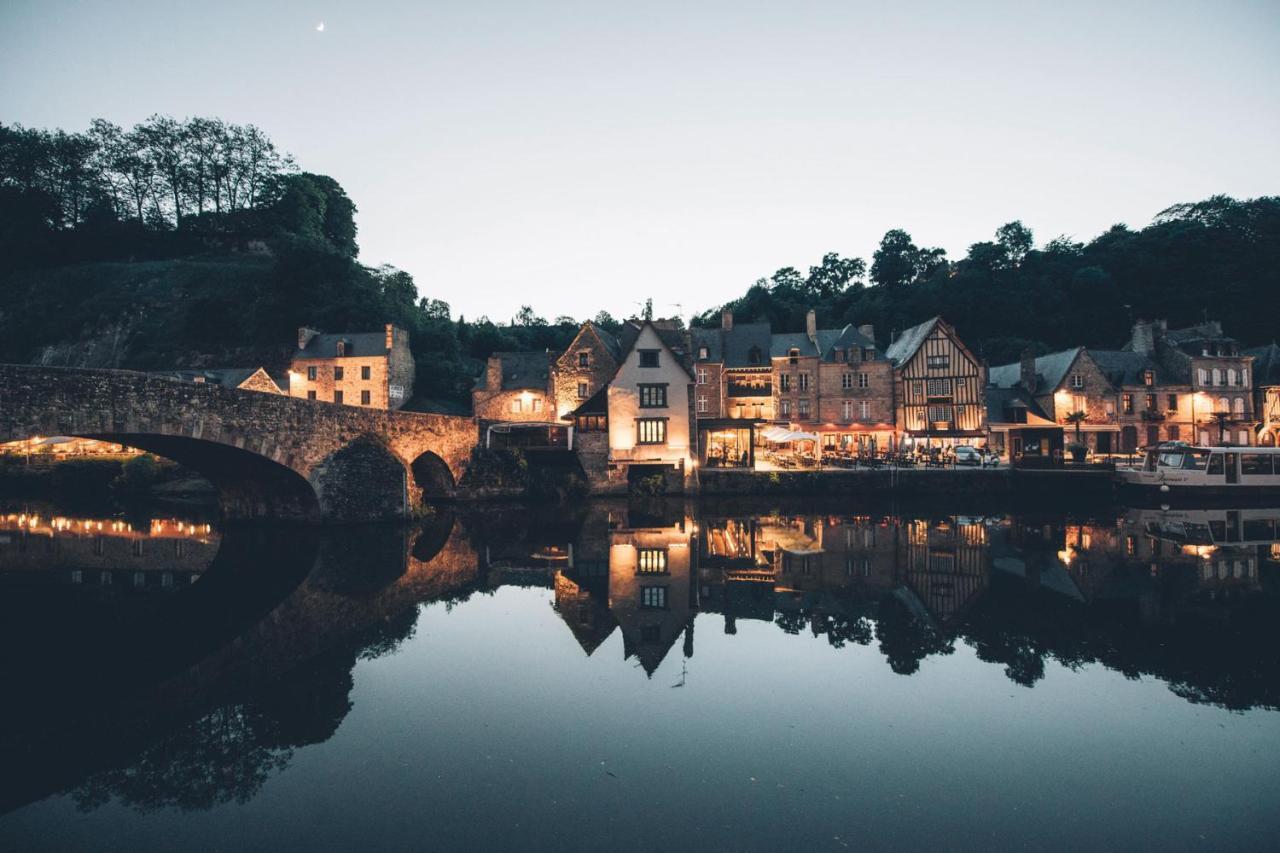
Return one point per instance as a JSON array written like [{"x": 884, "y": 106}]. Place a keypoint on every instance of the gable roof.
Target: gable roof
[
  {"x": 596, "y": 404},
  {"x": 524, "y": 370},
  {"x": 1000, "y": 400},
  {"x": 671, "y": 336},
  {"x": 1051, "y": 370},
  {"x": 847, "y": 338},
  {"x": 363, "y": 344},
  {"x": 909, "y": 341},
  {"x": 1123, "y": 368},
  {"x": 228, "y": 377},
  {"x": 1266, "y": 365}
]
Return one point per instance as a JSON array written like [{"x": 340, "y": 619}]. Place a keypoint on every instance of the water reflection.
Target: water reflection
[{"x": 194, "y": 700}]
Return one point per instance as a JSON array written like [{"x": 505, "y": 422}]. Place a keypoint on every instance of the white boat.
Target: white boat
[{"x": 1177, "y": 468}]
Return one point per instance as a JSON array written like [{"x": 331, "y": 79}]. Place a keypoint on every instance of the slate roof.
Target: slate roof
[
  {"x": 596, "y": 404},
  {"x": 739, "y": 340},
  {"x": 1051, "y": 369},
  {"x": 846, "y": 338},
  {"x": 228, "y": 377},
  {"x": 361, "y": 344},
  {"x": 1266, "y": 365},
  {"x": 610, "y": 341},
  {"x": 1124, "y": 368},
  {"x": 999, "y": 400},
  {"x": 780, "y": 345},
  {"x": 529, "y": 369},
  {"x": 909, "y": 341}
]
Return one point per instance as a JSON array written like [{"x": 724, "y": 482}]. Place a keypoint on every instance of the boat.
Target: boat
[{"x": 1183, "y": 469}]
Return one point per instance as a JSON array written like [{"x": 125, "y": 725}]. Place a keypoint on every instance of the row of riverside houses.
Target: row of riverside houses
[{"x": 659, "y": 399}]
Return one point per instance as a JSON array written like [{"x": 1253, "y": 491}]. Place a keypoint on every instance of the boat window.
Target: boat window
[
  {"x": 1259, "y": 529},
  {"x": 1194, "y": 461},
  {"x": 1255, "y": 463},
  {"x": 1215, "y": 463},
  {"x": 1171, "y": 460},
  {"x": 1217, "y": 529}
]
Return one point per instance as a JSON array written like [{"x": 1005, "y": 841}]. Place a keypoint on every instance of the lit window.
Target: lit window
[
  {"x": 651, "y": 430},
  {"x": 651, "y": 561},
  {"x": 515, "y": 405},
  {"x": 939, "y": 387},
  {"x": 703, "y": 353},
  {"x": 311, "y": 374}
]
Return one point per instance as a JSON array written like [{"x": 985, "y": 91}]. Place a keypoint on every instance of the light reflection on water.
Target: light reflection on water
[{"x": 670, "y": 675}]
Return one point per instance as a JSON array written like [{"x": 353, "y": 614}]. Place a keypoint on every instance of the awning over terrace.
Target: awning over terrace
[{"x": 780, "y": 435}]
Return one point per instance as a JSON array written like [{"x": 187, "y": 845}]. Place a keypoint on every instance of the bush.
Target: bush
[
  {"x": 650, "y": 486},
  {"x": 137, "y": 475}
]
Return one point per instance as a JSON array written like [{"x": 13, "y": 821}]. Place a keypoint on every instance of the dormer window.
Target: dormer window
[
  {"x": 703, "y": 353},
  {"x": 794, "y": 355},
  {"x": 1148, "y": 377},
  {"x": 753, "y": 355},
  {"x": 868, "y": 354},
  {"x": 341, "y": 348}
]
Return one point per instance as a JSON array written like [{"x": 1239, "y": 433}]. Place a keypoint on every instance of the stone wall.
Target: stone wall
[
  {"x": 878, "y": 393},
  {"x": 264, "y": 452},
  {"x": 568, "y": 371}
]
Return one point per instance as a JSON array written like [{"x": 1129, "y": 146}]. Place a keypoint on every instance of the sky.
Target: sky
[{"x": 586, "y": 156}]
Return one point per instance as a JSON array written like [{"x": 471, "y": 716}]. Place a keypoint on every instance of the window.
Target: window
[
  {"x": 1077, "y": 381},
  {"x": 803, "y": 408},
  {"x": 537, "y": 404},
  {"x": 365, "y": 398},
  {"x": 868, "y": 354},
  {"x": 846, "y": 410},
  {"x": 939, "y": 414},
  {"x": 864, "y": 381},
  {"x": 784, "y": 408},
  {"x": 804, "y": 381},
  {"x": 1126, "y": 403},
  {"x": 311, "y": 373},
  {"x": 584, "y": 359},
  {"x": 1151, "y": 402},
  {"x": 1079, "y": 403},
  {"x": 1203, "y": 376},
  {"x": 704, "y": 353},
  {"x": 1215, "y": 464},
  {"x": 583, "y": 390},
  {"x": 846, "y": 381},
  {"x": 1242, "y": 437},
  {"x": 648, "y": 358},
  {"x": 1174, "y": 432},
  {"x": 1244, "y": 377},
  {"x": 651, "y": 561},
  {"x": 1255, "y": 463},
  {"x": 515, "y": 406},
  {"x": 784, "y": 382},
  {"x": 864, "y": 410},
  {"x": 337, "y": 373},
  {"x": 702, "y": 376},
  {"x": 793, "y": 355},
  {"x": 365, "y": 372},
  {"x": 939, "y": 387},
  {"x": 1148, "y": 377},
  {"x": 337, "y": 396},
  {"x": 702, "y": 404},
  {"x": 1238, "y": 406},
  {"x": 938, "y": 362},
  {"x": 1217, "y": 376},
  {"x": 651, "y": 430},
  {"x": 1231, "y": 376},
  {"x": 1173, "y": 402},
  {"x": 917, "y": 390},
  {"x": 311, "y": 395},
  {"x": 653, "y": 597},
  {"x": 1223, "y": 405},
  {"x": 341, "y": 349},
  {"x": 653, "y": 396}
]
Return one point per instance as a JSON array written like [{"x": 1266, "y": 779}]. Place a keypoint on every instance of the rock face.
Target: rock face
[{"x": 270, "y": 456}]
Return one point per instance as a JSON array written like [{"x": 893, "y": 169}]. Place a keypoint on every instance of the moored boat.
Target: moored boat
[{"x": 1178, "y": 468}]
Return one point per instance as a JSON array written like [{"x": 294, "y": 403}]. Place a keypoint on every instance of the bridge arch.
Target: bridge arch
[
  {"x": 431, "y": 476},
  {"x": 383, "y": 479}
]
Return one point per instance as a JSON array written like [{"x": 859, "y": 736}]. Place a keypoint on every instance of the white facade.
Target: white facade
[{"x": 649, "y": 406}]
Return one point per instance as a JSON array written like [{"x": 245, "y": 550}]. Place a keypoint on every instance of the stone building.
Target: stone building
[
  {"x": 515, "y": 387},
  {"x": 733, "y": 388},
  {"x": 372, "y": 369},
  {"x": 1056, "y": 386},
  {"x": 938, "y": 387},
  {"x": 586, "y": 366},
  {"x": 1213, "y": 367}
]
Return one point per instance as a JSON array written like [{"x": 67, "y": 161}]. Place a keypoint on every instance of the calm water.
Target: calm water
[{"x": 644, "y": 677}]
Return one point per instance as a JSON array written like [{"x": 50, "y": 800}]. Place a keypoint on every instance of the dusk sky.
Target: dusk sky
[{"x": 581, "y": 156}]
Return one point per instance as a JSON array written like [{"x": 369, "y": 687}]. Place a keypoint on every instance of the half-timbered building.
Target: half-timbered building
[{"x": 938, "y": 386}]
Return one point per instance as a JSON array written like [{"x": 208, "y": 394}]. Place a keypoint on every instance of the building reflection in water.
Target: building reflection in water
[{"x": 1184, "y": 596}]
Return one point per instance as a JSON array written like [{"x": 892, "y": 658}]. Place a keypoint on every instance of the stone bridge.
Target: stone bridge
[{"x": 270, "y": 456}]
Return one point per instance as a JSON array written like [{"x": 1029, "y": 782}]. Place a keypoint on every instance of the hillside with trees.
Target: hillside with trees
[{"x": 196, "y": 242}]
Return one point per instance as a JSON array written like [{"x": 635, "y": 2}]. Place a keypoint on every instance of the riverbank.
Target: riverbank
[{"x": 908, "y": 482}]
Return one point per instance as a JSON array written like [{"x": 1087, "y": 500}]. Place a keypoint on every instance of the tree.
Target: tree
[
  {"x": 1015, "y": 239},
  {"x": 834, "y": 275}
]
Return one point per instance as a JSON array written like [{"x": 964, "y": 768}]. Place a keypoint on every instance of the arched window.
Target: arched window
[
  {"x": 1217, "y": 376},
  {"x": 1238, "y": 406},
  {"x": 1231, "y": 376},
  {"x": 1223, "y": 405}
]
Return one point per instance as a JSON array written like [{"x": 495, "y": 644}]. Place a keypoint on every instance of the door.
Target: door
[{"x": 1233, "y": 472}]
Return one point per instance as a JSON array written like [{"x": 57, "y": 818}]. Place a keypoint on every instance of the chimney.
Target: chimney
[
  {"x": 726, "y": 319},
  {"x": 1027, "y": 371},
  {"x": 391, "y": 336},
  {"x": 868, "y": 331},
  {"x": 811, "y": 324},
  {"x": 493, "y": 373},
  {"x": 1144, "y": 337},
  {"x": 305, "y": 335}
]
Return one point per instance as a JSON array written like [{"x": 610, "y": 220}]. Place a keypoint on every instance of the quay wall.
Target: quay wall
[{"x": 915, "y": 482}]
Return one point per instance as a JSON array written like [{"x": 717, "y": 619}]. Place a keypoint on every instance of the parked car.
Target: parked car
[{"x": 966, "y": 455}]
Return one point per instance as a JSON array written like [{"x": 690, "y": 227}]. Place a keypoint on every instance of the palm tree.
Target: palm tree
[{"x": 1077, "y": 418}]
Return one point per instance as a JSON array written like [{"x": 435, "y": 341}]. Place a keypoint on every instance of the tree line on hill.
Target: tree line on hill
[{"x": 197, "y": 242}]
